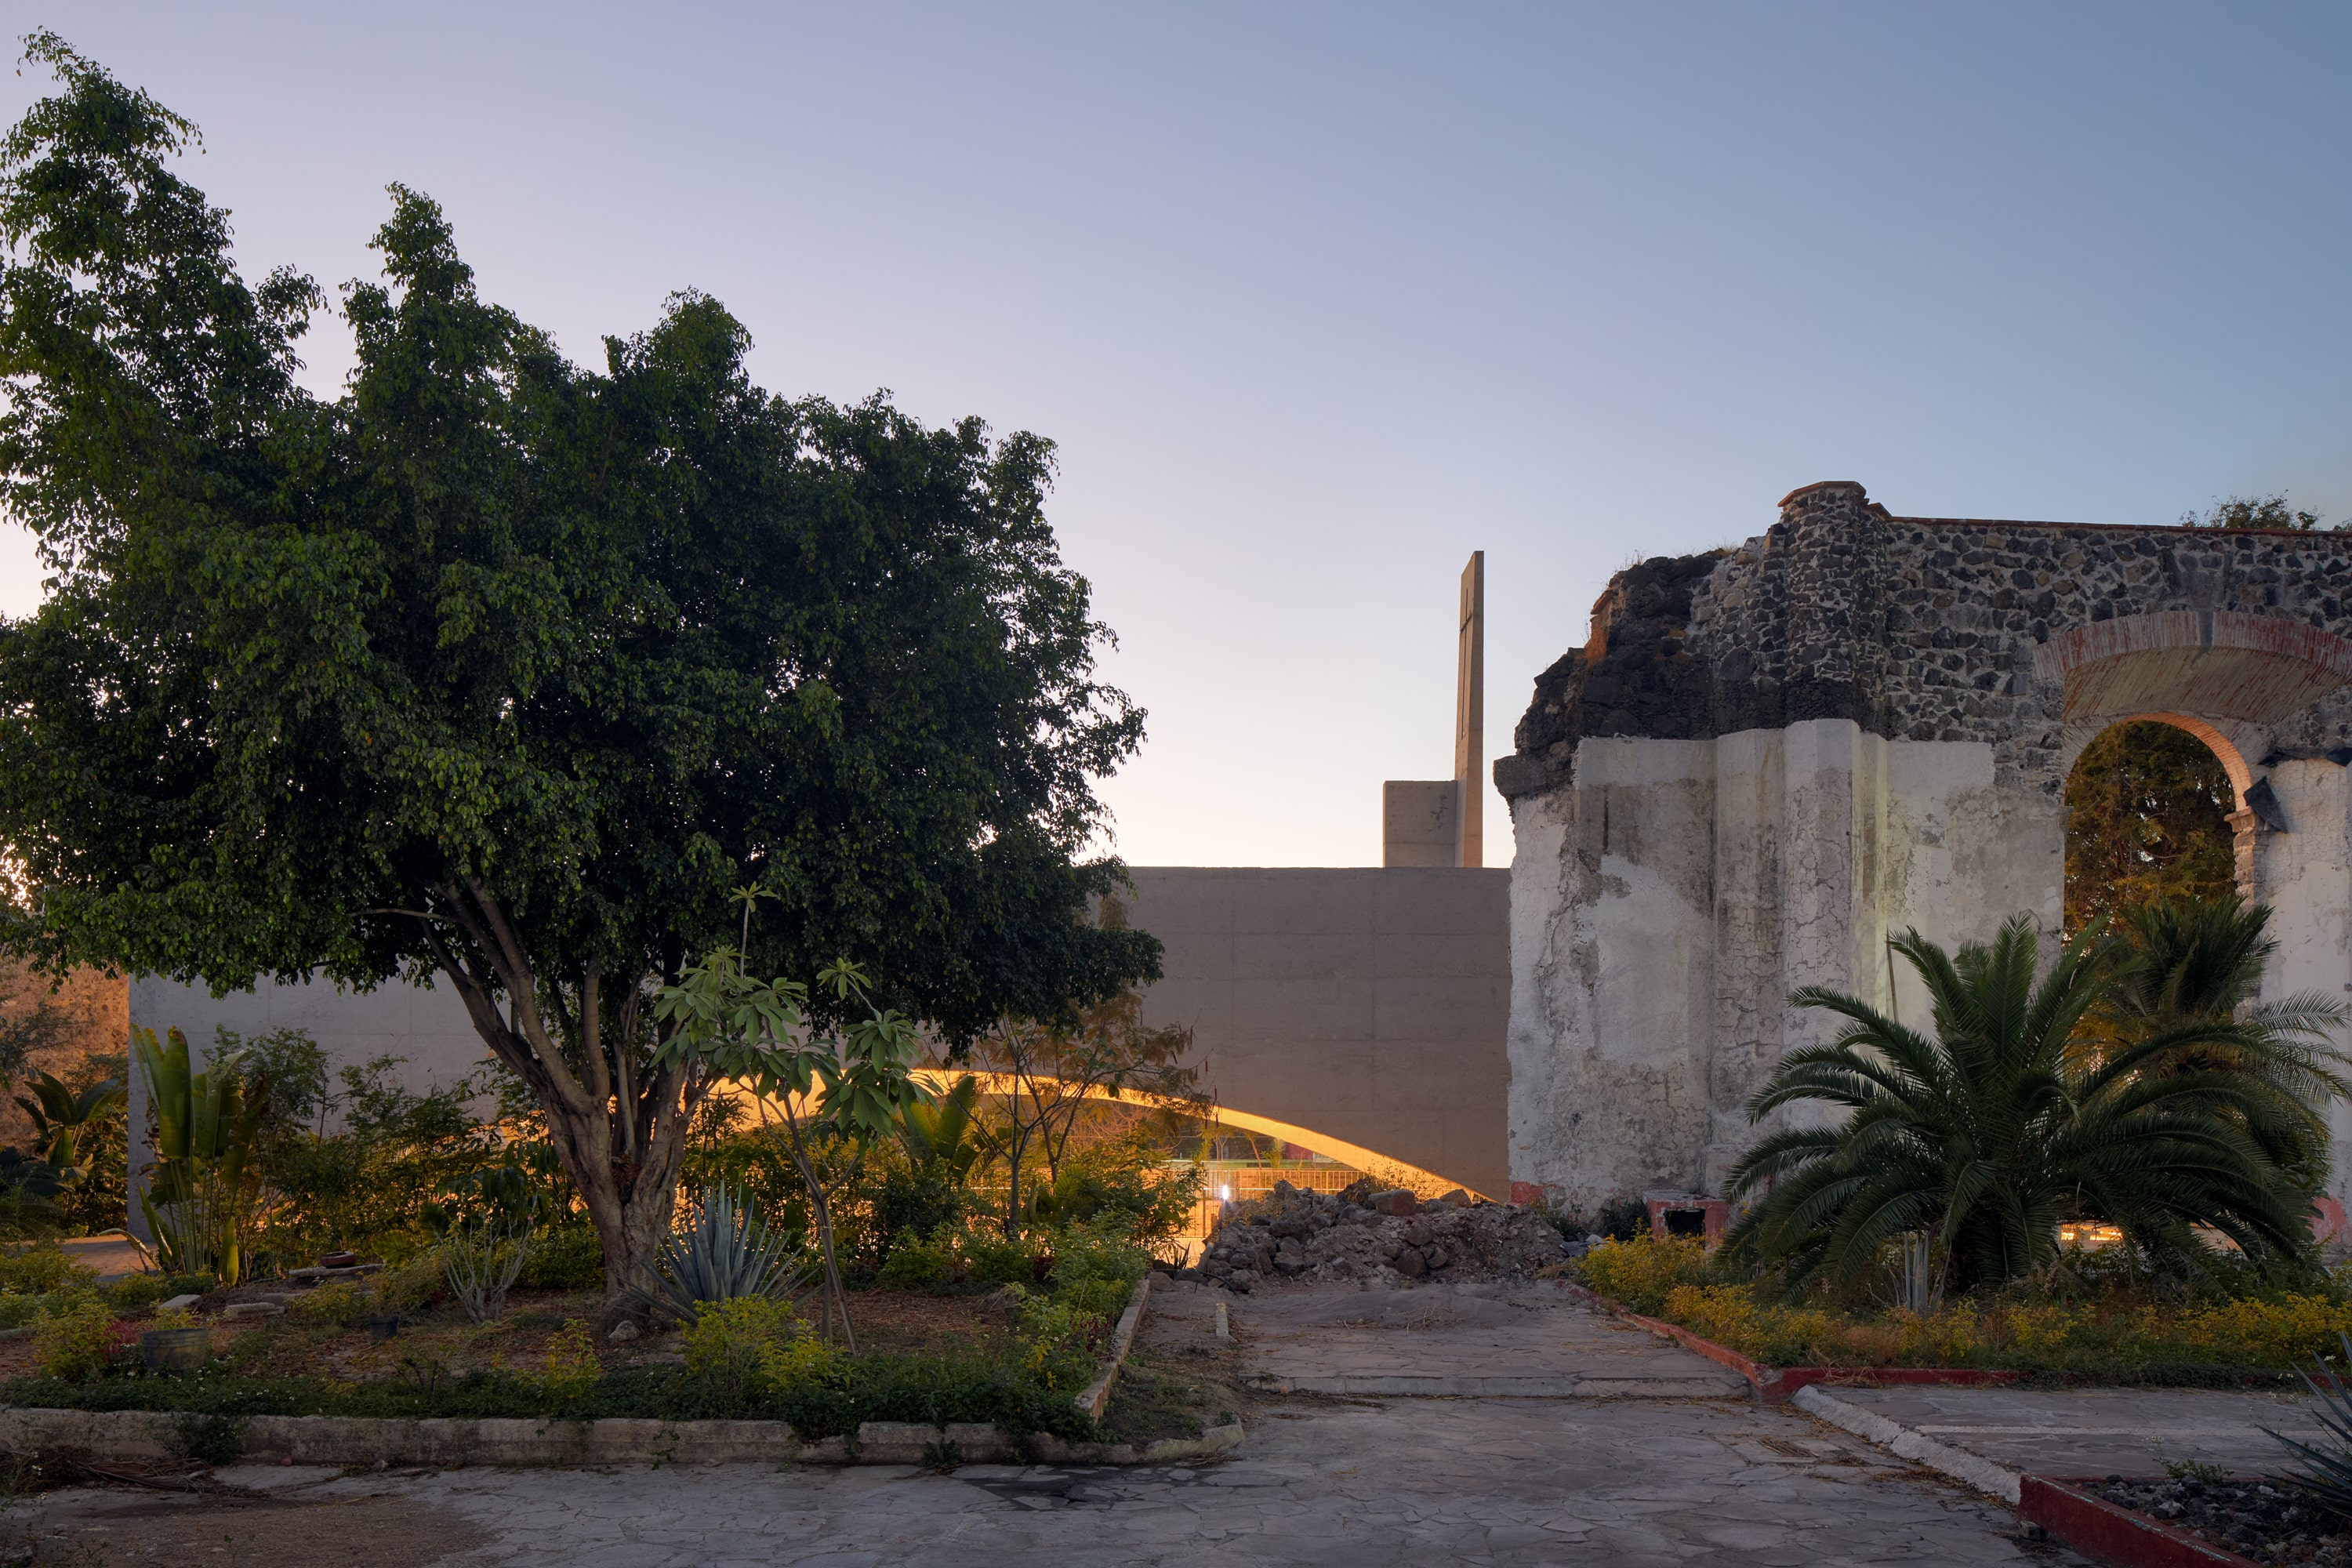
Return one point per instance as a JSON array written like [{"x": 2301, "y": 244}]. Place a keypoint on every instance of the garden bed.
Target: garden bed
[
  {"x": 2254, "y": 1520},
  {"x": 2117, "y": 1336}
]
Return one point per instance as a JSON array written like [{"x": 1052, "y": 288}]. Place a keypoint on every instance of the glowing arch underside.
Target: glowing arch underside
[{"x": 1374, "y": 1163}]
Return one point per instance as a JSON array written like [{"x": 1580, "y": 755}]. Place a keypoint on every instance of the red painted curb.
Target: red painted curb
[
  {"x": 1776, "y": 1384},
  {"x": 2115, "y": 1536}
]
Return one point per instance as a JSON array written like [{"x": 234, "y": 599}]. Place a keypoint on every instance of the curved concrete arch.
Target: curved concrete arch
[{"x": 1374, "y": 1163}]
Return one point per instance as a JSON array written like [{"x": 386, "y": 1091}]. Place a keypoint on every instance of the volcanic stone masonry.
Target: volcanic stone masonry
[{"x": 1765, "y": 762}]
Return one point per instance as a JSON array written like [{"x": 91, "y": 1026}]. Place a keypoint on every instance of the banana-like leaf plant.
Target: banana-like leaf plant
[
  {"x": 204, "y": 1197},
  {"x": 60, "y": 1116}
]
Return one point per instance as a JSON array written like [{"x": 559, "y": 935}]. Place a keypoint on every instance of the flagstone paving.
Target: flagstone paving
[{"x": 1342, "y": 1481}]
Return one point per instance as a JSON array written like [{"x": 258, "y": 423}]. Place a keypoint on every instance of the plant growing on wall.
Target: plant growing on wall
[
  {"x": 1984, "y": 1133},
  {"x": 498, "y": 670},
  {"x": 202, "y": 1199}
]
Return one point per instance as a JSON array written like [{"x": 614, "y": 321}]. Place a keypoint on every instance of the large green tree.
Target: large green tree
[{"x": 501, "y": 671}]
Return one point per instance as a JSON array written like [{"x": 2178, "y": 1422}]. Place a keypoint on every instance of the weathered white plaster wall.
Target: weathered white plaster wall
[
  {"x": 2306, "y": 878},
  {"x": 1667, "y": 903}
]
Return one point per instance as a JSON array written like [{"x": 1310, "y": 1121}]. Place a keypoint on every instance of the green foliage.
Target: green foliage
[
  {"x": 1987, "y": 1133},
  {"x": 728, "y": 1339},
  {"x": 42, "y": 1267},
  {"x": 62, "y": 1116},
  {"x": 569, "y": 1257},
  {"x": 511, "y": 668},
  {"x": 1643, "y": 1270},
  {"x": 1097, "y": 1265},
  {"x": 203, "y": 1201},
  {"x": 571, "y": 1368},
  {"x": 2147, "y": 809},
  {"x": 2274, "y": 511},
  {"x": 942, "y": 1138},
  {"x": 2323, "y": 1469},
  {"x": 931, "y": 1390},
  {"x": 133, "y": 1292},
  {"x": 341, "y": 1302},
  {"x": 74, "y": 1339},
  {"x": 2201, "y": 961},
  {"x": 411, "y": 1284},
  {"x": 209, "y": 1439},
  {"x": 725, "y": 1253}
]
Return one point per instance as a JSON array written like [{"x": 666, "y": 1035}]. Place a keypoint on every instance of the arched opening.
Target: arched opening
[{"x": 2148, "y": 809}]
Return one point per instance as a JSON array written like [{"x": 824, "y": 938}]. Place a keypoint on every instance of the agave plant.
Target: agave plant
[
  {"x": 723, "y": 1254},
  {"x": 2324, "y": 1469}
]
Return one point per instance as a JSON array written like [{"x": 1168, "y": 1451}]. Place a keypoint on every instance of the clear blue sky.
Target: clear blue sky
[{"x": 1318, "y": 299}]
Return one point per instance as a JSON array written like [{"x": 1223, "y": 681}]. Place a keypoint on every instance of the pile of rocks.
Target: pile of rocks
[{"x": 1385, "y": 1238}]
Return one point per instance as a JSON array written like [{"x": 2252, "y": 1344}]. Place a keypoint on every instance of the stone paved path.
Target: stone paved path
[
  {"x": 1347, "y": 1483},
  {"x": 1524, "y": 1340},
  {"x": 2098, "y": 1431},
  {"x": 1323, "y": 1482}
]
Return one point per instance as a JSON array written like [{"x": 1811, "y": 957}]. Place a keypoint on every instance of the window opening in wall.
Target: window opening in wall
[{"x": 2148, "y": 810}]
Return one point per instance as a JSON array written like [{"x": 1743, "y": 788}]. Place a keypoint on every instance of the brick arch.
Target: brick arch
[{"x": 2228, "y": 677}]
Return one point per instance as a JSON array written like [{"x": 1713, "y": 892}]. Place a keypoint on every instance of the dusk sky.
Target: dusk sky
[{"x": 1317, "y": 299}]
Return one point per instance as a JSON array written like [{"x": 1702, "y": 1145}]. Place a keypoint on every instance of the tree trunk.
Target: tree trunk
[{"x": 630, "y": 1194}]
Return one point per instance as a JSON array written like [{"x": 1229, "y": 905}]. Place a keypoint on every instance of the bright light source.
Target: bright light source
[{"x": 1225, "y": 1192}]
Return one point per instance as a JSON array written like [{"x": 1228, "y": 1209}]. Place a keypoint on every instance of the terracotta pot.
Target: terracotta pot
[{"x": 339, "y": 1260}]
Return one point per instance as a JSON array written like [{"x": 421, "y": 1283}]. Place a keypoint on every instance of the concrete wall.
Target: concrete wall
[
  {"x": 1667, "y": 903},
  {"x": 428, "y": 1029},
  {"x": 1370, "y": 1004},
  {"x": 1366, "y": 1005}
]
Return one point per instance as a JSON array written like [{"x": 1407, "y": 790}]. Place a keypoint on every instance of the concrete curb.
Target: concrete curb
[
  {"x": 2116, "y": 1537},
  {"x": 1098, "y": 1394},
  {"x": 1571, "y": 1386},
  {"x": 1916, "y": 1446},
  {"x": 445, "y": 1443}
]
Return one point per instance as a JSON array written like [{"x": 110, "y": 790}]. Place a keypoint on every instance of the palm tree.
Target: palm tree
[
  {"x": 1985, "y": 1135},
  {"x": 2196, "y": 960}
]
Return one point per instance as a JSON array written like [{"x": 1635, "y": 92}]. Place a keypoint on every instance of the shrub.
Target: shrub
[
  {"x": 727, "y": 1340},
  {"x": 926, "y": 1263},
  {"x": 1061, "y": 1337},
  {"x": 409, "y": 1285},
  {"x": 75, "y": 1341},
  {"x": 188, "y": 1285},
  {"x": 339, "y": 1301},
  {"x": 1643, "y": 1272},
  {"x": 2276, "y": 1332},
  {"x": 42, "y": 1267},
  {"x": 1096, "y": 1266},
  {"x": 569, "y": 1257},
  {"x": 137, "y": 1291},
  {"x": 572, "y": 1369}
]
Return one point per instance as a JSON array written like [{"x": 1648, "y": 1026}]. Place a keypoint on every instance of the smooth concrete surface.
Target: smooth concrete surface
[
  {"x": 1518, "y": 1483},
  {"x": 427, "y": 1031},
  {"x": 1519, "y": 1340},
  {"x": 2098, "y": 1431},
  {"x": 1420, "y": 822},
  {"x": 1368, "y": 1003}
]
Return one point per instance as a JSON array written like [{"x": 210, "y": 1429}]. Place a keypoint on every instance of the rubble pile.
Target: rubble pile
[{"x": 1384, "y": 1237}]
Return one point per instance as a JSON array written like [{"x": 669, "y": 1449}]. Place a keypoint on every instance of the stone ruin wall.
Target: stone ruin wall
[{"x": 1766, "y": 759}]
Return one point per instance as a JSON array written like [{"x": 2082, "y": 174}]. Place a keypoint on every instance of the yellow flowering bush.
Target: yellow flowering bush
[
  {"x": 1643, "y": 1272},
  {"x": 2292, "y": 1329}
]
